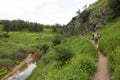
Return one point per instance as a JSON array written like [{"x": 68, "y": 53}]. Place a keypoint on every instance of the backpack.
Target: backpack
[{"x": 96, "y": 36}]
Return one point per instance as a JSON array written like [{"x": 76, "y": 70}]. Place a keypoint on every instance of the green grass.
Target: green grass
[
  {"x": 25, "y": 39},
  {"x": 97, "y": 4},
  {"x": 110, "y": 46},
  {"x": 81, "y": 66},
  {"x": 3, "y": 72},
  {"x": 22, "y": 39}
]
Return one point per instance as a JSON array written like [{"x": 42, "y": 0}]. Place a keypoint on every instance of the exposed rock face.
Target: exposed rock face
[{"x": 88, "y": 20}]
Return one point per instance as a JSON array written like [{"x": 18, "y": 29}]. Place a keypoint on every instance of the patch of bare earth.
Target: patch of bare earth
[{"x": 102, "y": 72}]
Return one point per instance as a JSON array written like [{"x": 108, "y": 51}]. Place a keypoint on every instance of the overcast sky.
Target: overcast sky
[{"x": 41, "y": 11}]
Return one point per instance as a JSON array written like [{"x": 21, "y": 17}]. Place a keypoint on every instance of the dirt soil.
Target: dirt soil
[{"x": 102, "y": 72}]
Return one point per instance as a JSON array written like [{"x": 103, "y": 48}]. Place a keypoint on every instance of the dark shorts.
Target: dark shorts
[{"x": 96, "y": 41}]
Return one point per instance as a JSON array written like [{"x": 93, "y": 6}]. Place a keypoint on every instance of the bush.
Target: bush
[
  {"x": 44, "y": 48},
  {"x": 3, "y": 72},
  {"x": 63, "y": 54},
  {"x": 19, "y": 54},
  {"x": 56, "y": 41},
  {"x": 116, "y": 74},
  {"x": 4, "y": 35},
  {"x": 6, "y": 64},
  {"x": 3, "y": 55},
  {"x": 115, "y": 8}
]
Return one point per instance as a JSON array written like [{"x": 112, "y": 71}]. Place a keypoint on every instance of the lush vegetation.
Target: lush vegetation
[
  {"x": 74, "y": 59},
  {"x": 19, "y": 25},
  {"x": 110, "y": 46},
  {"x": 115, "y": 8},
  {"x": 98, "y": 4},
  {"x": 25, "y": 39},
  {"x": 15, "y": 46}
]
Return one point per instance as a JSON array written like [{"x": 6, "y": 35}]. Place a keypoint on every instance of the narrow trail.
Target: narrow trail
[{"x": 102, "y": 72}]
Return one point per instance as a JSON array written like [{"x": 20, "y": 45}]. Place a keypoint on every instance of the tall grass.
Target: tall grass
[
  {"x": 110, "y": 46},
  {"x": 11, "y": 47},
  {"x": 80, "y": 67},
  {"x": 97, "y": 4},
  {"x": 25, "y": 39}
]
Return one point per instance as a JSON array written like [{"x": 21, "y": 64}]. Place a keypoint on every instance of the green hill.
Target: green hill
[
  {"x": 110, "y": 46},
  {"x": 70, "y": 56},
  {"x": 81, "y": 66},
  {"x": 99, "y": 16}
]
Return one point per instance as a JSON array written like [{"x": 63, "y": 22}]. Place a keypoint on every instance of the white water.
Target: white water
[{"x": 24, "y": 74}]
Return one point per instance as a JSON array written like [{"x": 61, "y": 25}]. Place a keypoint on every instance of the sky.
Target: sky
[{"x": 42, "y": 11}]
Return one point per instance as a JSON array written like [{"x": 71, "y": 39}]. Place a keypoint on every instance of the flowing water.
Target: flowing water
[
  {"x": 25, "y": 68},
  {"x": 24, "y": 74}
]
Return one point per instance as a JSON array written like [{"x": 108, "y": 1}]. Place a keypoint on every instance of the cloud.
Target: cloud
[{"x": 42, "y": 11}]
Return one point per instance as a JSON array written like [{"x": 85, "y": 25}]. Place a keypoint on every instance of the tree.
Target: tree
[
  {"x": 5, "y": 24},
  {"x": 18, "y": 25},
  {"x": 84, "y": 7},
  {"x": 78, "y": 12},
  {"x": 85, "y": 15}
]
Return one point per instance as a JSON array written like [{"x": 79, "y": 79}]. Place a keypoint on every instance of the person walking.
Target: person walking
[{"x": 95, "y": 37}]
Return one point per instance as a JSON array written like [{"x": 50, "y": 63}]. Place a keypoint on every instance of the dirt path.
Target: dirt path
[{"x": 102, "y": 72}]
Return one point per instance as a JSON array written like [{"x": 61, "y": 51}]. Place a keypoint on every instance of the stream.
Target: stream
[
  {"x": 24, "y": 74},
  {"x": 25, "y": 68}
]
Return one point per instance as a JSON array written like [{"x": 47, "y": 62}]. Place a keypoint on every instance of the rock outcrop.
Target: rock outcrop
[{"x": 88, "y": 20}]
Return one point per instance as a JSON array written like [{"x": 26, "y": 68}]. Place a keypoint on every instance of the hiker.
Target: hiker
[{"x": 95, "y": 37}]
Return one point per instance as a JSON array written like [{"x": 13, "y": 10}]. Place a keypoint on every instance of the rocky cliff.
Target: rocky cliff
[{"x": 90, "y": 19}]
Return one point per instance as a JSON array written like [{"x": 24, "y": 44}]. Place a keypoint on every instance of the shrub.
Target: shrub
[
  {"x": 6, "y": 64},
  {"x": 3, "y": 72},
  {"x": 44, "y": 48},
  {"x": 19, "y": 54},
  {"x": 116, "y": 74},
  {"x": 4, "y": 35},
  {"x": 3, "y": 55},
  {"x": 63, "y": 54},
  {"x": 115, "y": 7},
  {"x": 56, "y": 41}
]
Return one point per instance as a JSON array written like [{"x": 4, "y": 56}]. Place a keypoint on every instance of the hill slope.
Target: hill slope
[
  {"x": 80, "y": 67},
  {"x": 91, "y": 18},
  {"x": 110, "y": 46},
  {"x": 96, "y": 16}
]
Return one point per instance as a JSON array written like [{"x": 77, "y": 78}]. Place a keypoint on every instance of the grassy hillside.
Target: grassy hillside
[
  {"x": 80, "y": 67},
  {"x": 98, "y": 4},
  {"x": 110, "y": 46}
]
